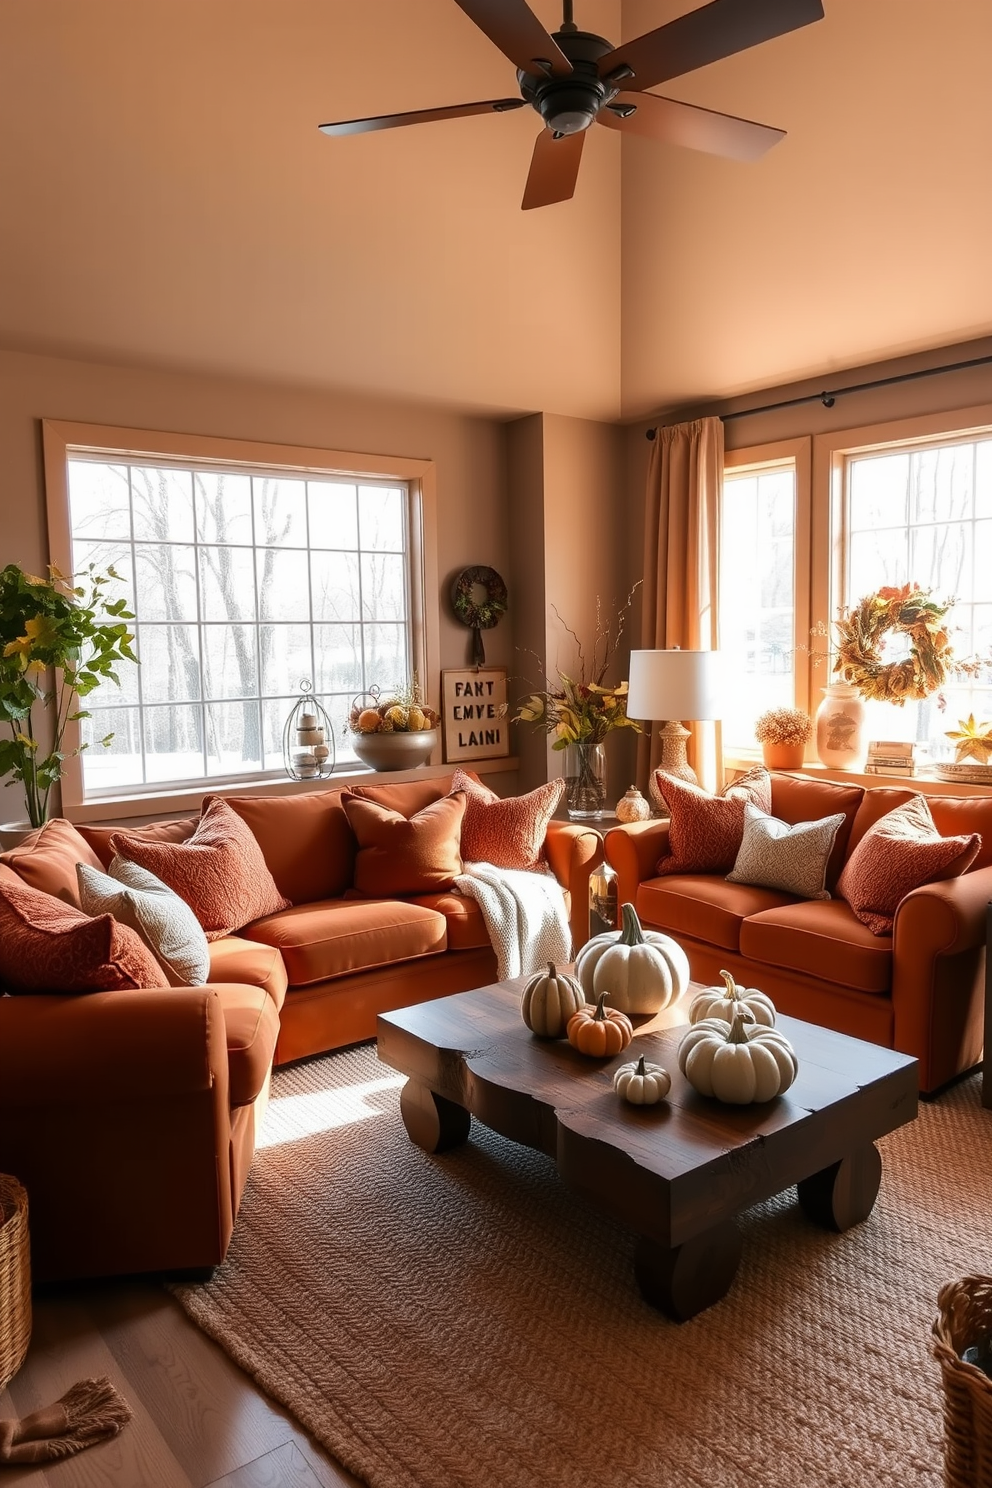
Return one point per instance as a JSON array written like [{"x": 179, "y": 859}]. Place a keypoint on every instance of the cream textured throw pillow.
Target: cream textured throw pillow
[
  {"x": 775, "y": 855},
  {"x": 165, "y": 922}
]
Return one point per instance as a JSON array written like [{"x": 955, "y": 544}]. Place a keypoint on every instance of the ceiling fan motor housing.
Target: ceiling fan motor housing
[{"x": 570, "y": 104}]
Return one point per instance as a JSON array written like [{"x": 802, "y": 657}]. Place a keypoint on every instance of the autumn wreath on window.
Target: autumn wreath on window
[{"x": 863, "y": 630}]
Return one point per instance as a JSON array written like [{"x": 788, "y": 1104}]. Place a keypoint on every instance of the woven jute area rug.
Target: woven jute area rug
[{"x": 463, "y": 1321}]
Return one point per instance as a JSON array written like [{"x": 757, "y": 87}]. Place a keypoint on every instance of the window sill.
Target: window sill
[
  {"x": 924, "y": 780},
  {"x": 156, "y": 805}
]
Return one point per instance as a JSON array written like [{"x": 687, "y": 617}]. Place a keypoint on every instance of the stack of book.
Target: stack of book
[{"x": 889, "y": 757}]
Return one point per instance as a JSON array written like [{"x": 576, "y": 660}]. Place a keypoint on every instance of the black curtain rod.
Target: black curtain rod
[{"x": 828, "y": 399}]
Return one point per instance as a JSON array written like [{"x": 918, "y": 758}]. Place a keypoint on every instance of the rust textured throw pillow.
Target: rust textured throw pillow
[
  {"x": 219, "y": 871},
  {"x": 401, "y": 855},
  {"x": 47, "y": 945},
  {"x": 47, "y": 859},
  {"x": 705, "y": 832},
  {"x": 506, "y": 831},
  {"x": 901, "y": 852}
]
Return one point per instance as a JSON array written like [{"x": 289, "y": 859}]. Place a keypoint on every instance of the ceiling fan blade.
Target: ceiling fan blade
[
  {"x": 720, "y": 29},
  {"x": 515, "y": 29},
  {"x": 554, "y": 169},
  {"x": 696, "y": 128},
  {"x": 421, "y": 116}
]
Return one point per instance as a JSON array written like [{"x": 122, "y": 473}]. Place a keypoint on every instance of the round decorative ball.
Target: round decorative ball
[{"x": 632, "y": 806}]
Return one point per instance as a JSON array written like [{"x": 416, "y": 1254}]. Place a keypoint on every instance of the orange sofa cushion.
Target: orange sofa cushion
[
  {"x": 251, "y": 1023},
  {"x": 306, "y": 841},
  {"x": 901, "y": 852},
  {"x": 507, "y": 832},
  {"x": 47, "y": 859},
  {"x": 801, "y": 798},
  {"x": 706, "y": 906},
  {"x": 401, "y": 855},
  {"x": 219, "y": 871},
  {"x": 99, "y": 838},
  {"x": 466, "y": 927},
  {"x": 47, "y": 945},
  {"x": 236, "y": 960},
  {"x": 405, "y": 796},
  {"x": 821, "y": 938},
  {"x": 338, "y": 936},
  {"x": 705, "y": 832},
  {"x": 954, "y": 816}
]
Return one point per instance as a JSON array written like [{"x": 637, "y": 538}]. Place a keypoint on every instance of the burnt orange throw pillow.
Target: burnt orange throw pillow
[
  {"x": 400, "y": 855},
  {"x": 901, "y": 852},
  {"x": 506, "y": 831},
  {"x": 49, "y": 946},
  {"x": 705, "y": 832},
  {"x": 219, "y": 871}
]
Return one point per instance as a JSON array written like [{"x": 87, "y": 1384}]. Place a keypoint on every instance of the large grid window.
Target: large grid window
[
  {"x": 922, "y": 513},
  {"x": 243, "y": 583},
  {"x": 757, "y": 595}
]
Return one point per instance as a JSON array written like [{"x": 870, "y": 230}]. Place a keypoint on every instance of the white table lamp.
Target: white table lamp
[{"x": 673, "y": 685}]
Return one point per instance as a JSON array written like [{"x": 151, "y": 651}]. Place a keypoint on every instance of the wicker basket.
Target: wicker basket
[
  {"x": 965, "y": 1320},
  {"x": 15, "y": 1279}
]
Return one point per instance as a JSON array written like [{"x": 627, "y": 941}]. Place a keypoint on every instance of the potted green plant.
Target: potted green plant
[{"x": 58, "y": 641}]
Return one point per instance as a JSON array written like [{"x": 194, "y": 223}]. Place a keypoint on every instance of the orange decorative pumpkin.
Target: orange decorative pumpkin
[{"x": 599, "y": 1031}]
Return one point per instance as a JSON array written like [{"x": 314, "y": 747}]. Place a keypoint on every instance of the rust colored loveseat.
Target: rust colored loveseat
[
  {"x": 131, "y": 1116},
  {"x": 919, "y": 990}
]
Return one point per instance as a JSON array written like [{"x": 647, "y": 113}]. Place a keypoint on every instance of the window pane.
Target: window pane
[
  {"x": 333, "y": 514},
  {"x": 234, "y": 744},
  {"x": 223, "y": 507},
  {"x": 338, "y": 651},
  {"x": 170, "y": 663},
  {"x": 166, "y": 587},
  {"x": 335, "y": 586},
  {"x": 385, "y": 656},
  {"x": 173, "y": 743},
  {"x": 879, "y": 492},
  {"x": 104, "y": 556},
  {"x": 380, "y": 519},
  {"x": 757, "y": 596},
  {"x": 230, "y": 666},
  {"x": 275, "y": 711},
  {"x": 119, "y": 764},
  {"x": 383, "y": 587},
  {"x": 100, "y": 500},
  {"x": 280, "y": 512},
  {"x": 163, "y": 504},
  {"x": 283, "y": 584},
  {"x": 227, "y": 583},
  {"x": 285, "y": 658}
]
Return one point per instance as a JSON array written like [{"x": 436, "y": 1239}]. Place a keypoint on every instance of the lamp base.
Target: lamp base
[{"x": 673, "y": 760}]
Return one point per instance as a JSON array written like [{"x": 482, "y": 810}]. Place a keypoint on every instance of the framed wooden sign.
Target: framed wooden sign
[{"x": 473, "y": 713}]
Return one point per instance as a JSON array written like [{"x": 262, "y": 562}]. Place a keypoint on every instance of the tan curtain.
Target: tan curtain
[{"x": 681, "y": 556}]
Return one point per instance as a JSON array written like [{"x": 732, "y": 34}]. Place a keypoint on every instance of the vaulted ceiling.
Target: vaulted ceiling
[{"x": 168, "y": 200}]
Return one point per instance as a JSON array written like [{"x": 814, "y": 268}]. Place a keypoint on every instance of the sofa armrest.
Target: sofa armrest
[
  {"x": 633, "y": 850},
  {"x": 573, "y": 852},
  {"x": 105, "y": 1047},
  {"x": 938, "y": 974}
]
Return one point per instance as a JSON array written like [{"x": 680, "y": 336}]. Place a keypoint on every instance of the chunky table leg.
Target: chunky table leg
[
  {"x": 843, "y": 1194},
  {"x": 690, "y": 1277},
  {"x": 435, "y": 1124}
]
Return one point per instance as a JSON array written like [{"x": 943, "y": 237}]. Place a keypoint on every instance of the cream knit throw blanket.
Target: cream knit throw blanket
[{"x": 524, "y": 914}]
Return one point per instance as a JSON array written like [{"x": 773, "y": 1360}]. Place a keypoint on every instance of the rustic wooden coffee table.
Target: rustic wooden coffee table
[{"x": 677, "y": 1173}]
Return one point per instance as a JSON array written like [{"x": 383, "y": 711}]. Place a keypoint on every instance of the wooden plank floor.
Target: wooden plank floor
[{"x": 199, "y": 1422}]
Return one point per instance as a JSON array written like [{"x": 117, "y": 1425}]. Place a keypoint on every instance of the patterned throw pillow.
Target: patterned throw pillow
[
  {"x": 166, "y": 924},
  {"x": 47, "y": 859},
  {"x": 399, "y": 855},
  {"x": 47, "y": 945},
  {"x": 508, "y": 832},
  {"x": 219, "y": 871},
  {"x": 775, "y": 855},
  {"x": 901, "y": 852},
  {"x": 705, "y": 832}
]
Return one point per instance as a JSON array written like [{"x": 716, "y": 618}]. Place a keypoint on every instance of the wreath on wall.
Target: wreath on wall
[
  {"x": 479, "y": 615},
  {"x": 908, "y": 611}
]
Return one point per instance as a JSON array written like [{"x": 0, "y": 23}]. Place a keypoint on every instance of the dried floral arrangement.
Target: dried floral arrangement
[
  {"x": 402, "y": 711},
  {"x": 909, "y": 611},
  {"x": 783, "y": 726}
]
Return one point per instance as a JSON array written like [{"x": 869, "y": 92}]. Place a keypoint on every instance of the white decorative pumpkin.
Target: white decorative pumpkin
[
  {"x": 549, "y": 1000},
  {"x": 723, "y": 1002},
  {"x": 642, "y": 970},
  {"x": 642, "y": 1084},
  {"x": 737, "y": 1062}
]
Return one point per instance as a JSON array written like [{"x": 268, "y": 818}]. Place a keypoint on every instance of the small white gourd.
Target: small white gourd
[
  {"x": 642, "y": 970},
  {"x": 549, "y": 1000},
  {"x": 642, "y": 1084},
  {"x": 723, "y": 1002},
  {"x": 739, "y": 1062}
]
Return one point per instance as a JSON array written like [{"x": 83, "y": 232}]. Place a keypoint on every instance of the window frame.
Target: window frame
[{"x": 62, "y": 440}]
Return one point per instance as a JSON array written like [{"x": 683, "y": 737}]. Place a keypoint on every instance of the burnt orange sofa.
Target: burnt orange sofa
[
  {"x": 131, "y": 1117},
  {"x": 920, "y": 990}
]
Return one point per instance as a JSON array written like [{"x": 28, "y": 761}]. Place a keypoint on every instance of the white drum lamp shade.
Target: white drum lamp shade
[{"x": 673, "y": 685}]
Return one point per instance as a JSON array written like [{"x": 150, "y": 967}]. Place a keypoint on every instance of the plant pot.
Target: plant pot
[
  {"x": 395, "y": 751},
  {"x": 783, "y": 756},
  {"x": 12, "y": 834}
]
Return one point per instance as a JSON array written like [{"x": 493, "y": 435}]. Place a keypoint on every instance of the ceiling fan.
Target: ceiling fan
[{"x": 574, "y": 79}]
